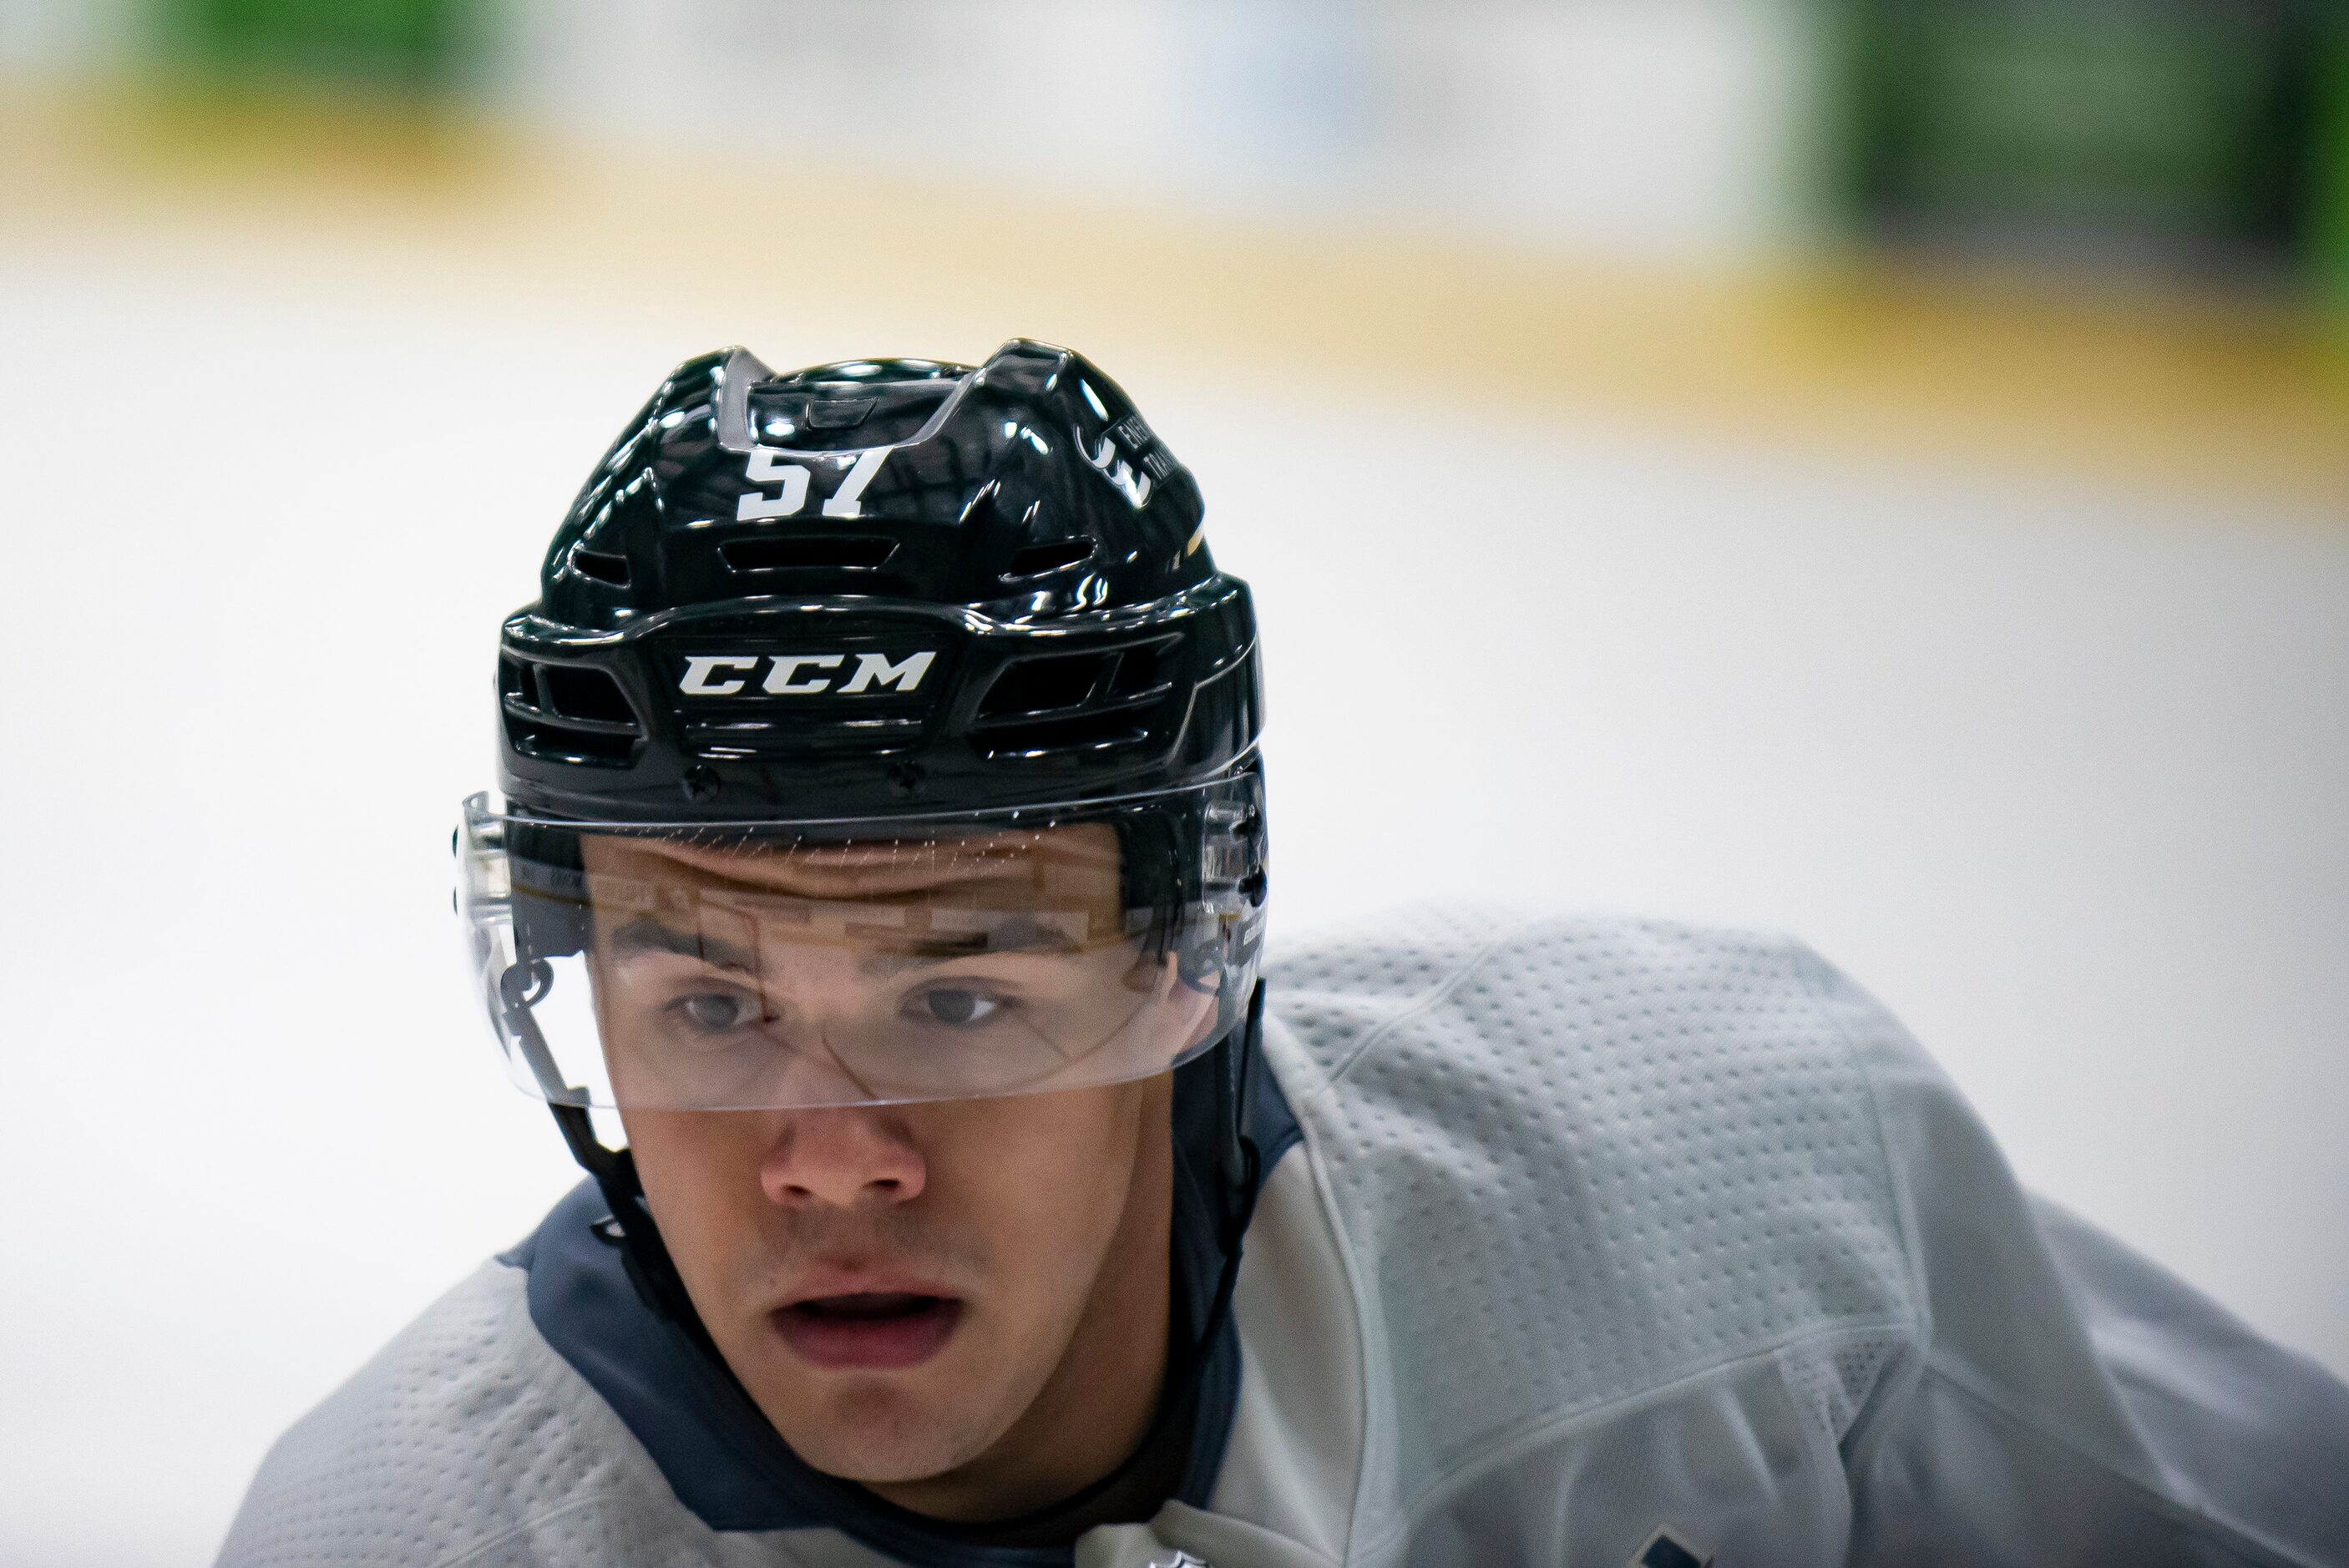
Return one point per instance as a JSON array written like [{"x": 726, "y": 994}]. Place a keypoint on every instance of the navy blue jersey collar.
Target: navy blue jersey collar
[{"x": 727, "y": 1463}]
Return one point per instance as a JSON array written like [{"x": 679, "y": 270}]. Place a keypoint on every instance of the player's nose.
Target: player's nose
[{"x": 841, "y": 1156}]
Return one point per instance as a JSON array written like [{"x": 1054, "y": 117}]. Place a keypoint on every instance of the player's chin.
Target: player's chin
[{"x": 881, "y": 1435}]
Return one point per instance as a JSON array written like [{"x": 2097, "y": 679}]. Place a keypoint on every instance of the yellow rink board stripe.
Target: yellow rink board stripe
[{"x": 2146, "y": 390}]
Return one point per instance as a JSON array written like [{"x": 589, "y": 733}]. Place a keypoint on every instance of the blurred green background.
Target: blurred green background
[
  {"x": 2207, "y": 137},
  {"x": 414, "y": 45}
]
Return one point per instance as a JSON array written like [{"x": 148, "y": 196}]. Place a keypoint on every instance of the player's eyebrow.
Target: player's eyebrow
[
  {"x": 645, "y": 934},
  {"x": 1017, "y": 934}
]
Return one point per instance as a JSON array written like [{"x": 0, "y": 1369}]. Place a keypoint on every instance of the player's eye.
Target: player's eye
[
  {"x": 952, "y": 1007},
  {"x": 715, "y": 1012}
]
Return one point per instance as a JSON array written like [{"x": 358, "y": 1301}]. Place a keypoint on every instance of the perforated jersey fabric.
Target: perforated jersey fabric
[
  {"x": 1607, "y": 1243},
  {"x": 466, "y": 1440},
  {"x": 1703, "y": 1183},
  {"x": 1657, "y": 1229}
]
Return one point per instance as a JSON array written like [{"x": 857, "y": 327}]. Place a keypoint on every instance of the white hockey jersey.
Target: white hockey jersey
[{"x": 1595, "y": 1244}]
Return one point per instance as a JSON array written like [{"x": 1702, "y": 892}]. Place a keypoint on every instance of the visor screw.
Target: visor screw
[
  {"x": 905, "y": 778},
  {"x": 699, "y": 784}
]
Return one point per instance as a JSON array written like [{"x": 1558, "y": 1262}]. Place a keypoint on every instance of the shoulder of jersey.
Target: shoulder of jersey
[
  {"x": 1579, "y": 1161},
  {"x": 464, "y": 1435}
]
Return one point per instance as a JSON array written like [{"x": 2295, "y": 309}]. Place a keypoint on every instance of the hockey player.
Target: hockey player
[{"x": 882, "y": 846}]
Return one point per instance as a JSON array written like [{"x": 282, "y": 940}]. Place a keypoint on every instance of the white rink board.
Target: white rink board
[{"x": 2057, "y": 771}]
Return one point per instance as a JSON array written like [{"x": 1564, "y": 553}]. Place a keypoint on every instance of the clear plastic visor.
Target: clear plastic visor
[{"x": 689, "y": 966}]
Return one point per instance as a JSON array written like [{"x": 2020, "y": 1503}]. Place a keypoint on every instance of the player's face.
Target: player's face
[{"x": 961, "y": 1303}]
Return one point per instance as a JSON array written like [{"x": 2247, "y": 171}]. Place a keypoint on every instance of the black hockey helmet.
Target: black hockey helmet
[{"x": 874, "y": 587}]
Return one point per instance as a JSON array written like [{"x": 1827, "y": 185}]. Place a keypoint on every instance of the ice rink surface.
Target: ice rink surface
[{"x": 2057, "y": 768}]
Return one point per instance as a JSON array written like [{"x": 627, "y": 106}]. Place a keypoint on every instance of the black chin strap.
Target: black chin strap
[
  {"x": 631, "y": 1228},
  {"x": 1238, "y": 1168}
]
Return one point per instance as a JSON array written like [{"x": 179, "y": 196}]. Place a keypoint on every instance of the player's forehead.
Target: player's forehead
[{"x": 1014, "y": 866}]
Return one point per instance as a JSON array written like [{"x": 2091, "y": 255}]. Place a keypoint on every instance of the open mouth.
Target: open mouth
[{"x": 870, "y": 1329}]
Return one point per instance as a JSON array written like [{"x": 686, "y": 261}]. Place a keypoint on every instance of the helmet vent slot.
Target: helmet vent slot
[
  {"x": 585, "y": 694},
  {"x": 1057, "y": 737},
  {"x": 1036, "y": 560},
  {"x": 567, "y": 713},
  {"x": 1140, "y": 669},
  {"x": 1064, "y": 703},
  {"x": 833, "y": 553},
  {"x": 721, "y": 739},
  {"x": 600, "y": 565},
  {"x": 1044, "y": 685}
]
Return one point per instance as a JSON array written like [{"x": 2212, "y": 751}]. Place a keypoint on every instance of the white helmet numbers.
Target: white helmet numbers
[
  {"x": 770, "y": 467},
  {"x": 802, "y": 675}
]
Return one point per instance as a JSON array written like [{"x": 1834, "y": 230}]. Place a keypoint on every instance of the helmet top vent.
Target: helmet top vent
[
  {"x": 826, "y": 417},
  {"x": 806, "y": 551}
]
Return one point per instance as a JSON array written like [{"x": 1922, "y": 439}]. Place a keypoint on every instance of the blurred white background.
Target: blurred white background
[{"x": 2048, "y": 753}]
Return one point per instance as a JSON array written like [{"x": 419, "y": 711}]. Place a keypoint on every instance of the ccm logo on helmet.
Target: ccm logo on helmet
[{"x": 802, "y": 674}]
